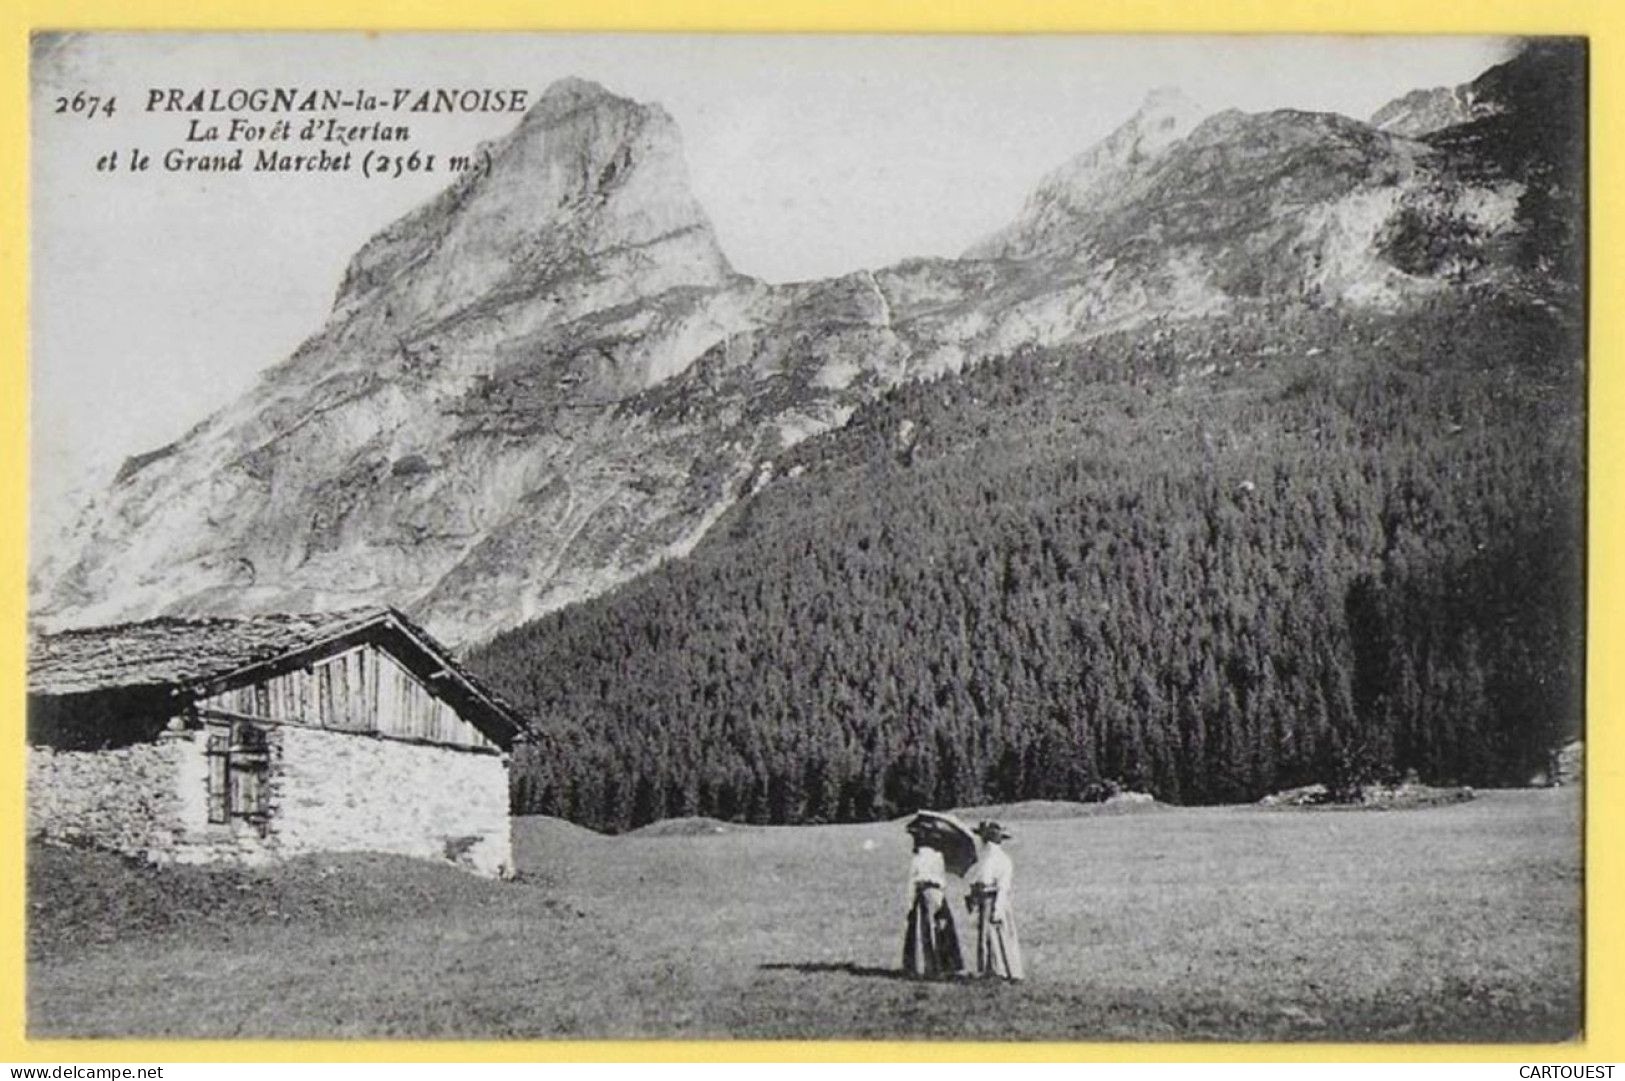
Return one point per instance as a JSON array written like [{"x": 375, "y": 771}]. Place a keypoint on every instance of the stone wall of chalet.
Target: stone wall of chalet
[
  {"x": 345, "y": 792},
  {"x": 125, "y": 799},
  {"x": 324, "y": 792},
  {"x": 147, "y": 800},
  {"x": 200, "y": 841}
]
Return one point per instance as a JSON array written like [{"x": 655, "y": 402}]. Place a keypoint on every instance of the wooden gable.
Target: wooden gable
[{"x": 362, "y": 687}]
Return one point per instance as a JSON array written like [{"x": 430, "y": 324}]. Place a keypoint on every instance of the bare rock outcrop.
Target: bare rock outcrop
[{"x": 548, "y": 378}]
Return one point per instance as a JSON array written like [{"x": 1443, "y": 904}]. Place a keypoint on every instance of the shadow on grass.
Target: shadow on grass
[{"x": 850, "y": 968}]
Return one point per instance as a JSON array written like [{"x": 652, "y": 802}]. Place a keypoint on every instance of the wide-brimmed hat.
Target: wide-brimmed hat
[{"x": 988, "y": 830}]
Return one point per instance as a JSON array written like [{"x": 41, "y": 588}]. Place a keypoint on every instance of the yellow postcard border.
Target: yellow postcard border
[{"x": 1601, "y": 21}]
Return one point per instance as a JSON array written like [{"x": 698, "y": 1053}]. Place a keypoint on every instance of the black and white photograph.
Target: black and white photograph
[{"x": 574, "y": 536}]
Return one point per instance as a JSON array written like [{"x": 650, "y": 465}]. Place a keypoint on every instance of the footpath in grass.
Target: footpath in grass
[{"x": 1451, "y": 923}]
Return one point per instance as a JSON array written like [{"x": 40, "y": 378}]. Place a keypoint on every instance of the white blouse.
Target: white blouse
[
  {"x": 927, "y": 867},
  {"x": 995, "y": 872}
]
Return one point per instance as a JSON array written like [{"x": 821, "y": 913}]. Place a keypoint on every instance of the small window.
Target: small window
[
  {"x": 239, "y": 769},
  {"x": 219, "y": 770}
]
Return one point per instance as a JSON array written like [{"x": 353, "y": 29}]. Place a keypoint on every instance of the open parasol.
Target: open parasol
[{"x": 948, "y": 835}]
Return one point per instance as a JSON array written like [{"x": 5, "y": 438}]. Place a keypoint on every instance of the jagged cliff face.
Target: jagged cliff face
[
  {"x": 548, "y": 378},
  {"x": 543, "y": 381},
  {"x": 1088, "y": 186},
  {"x": 1422, "y": 112},
  {"x": 1178, "y": 213},
  {"x": 457, "y": 411},
  {"x": 586, "y": 207}
]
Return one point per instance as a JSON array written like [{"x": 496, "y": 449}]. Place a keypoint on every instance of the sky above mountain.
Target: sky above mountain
[{"x": 157, "y": 297}]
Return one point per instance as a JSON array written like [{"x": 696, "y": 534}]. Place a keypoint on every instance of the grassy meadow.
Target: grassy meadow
[{"x": 1457, "y": 923}]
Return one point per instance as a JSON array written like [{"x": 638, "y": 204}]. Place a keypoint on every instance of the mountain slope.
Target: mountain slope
[
  {"x": 1263, "y": 205},
  {"x": 1095, "y": 179},
  {"x": 460, "y": 400},
  {"x": 1206, "y": 554},
  {"x": 1208, "y": 559},
  {"x": 548, "y": 379},
  {"x": 1422, "y": 112},
  {"x": 586, "y": 203}
]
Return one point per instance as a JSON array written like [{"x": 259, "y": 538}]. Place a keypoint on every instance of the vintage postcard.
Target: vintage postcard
[{"x": 581, "y": 536}]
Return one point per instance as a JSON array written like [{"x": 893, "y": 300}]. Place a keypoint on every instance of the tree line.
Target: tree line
[{"x": 1208, "y": 560}]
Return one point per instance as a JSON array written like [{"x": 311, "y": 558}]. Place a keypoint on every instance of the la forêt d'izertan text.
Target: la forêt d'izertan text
[{"x": 372, "y": 133}]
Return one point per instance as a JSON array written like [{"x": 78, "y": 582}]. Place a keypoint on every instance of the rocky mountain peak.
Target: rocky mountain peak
[
  {"x": 1166, "y": 115},
  {"x": 1281, "y": 131},
  {"x": 1544, "y": 81},
  {"x": 567, "y": 94},
  {"x": 1423, "y": 111},
  {"x": 557, "y": 206},
  {"x": 1094, "y": 179},
  {"x": 424, "y": 425},
  {"x": 547, "y": 379}
]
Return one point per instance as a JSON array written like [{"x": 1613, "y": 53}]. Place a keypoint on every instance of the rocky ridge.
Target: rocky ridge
[
  {"x": 1422, "y": 112},
  {"x": 548, "y": 378}
]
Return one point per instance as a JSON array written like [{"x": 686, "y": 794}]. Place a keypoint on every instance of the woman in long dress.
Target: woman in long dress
[
  {"x": 998, "y": 950},
  {"x": 930, "y": 942}
]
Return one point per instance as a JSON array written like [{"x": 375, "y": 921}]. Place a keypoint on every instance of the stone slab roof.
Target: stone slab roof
[
  {"x": 183, "y": 653},
  {"x": 172, "y": 651}
]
